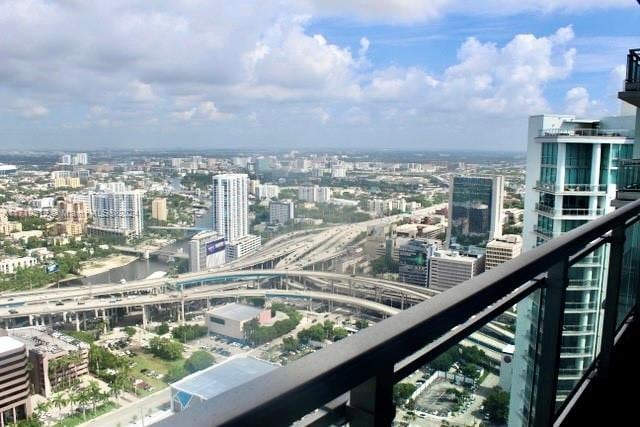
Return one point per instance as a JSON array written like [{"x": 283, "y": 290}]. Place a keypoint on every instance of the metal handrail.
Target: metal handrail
[
  {"x": 551, "y": 187},
  {"x": 619, "y": 133},
  {"x": 567, "y": 211},
  {"x": 368, "y": 358}
]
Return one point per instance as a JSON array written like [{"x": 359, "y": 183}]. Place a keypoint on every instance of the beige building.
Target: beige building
[
  {"x": 7, "y": 227},
  {"x": 449, "y": 268},
  {"x": 228, "y": 320},
  {"x": 502, "y": 250},
  {"x": 15, "y": 403},
  {"x": 55, "y": 357},
  {"x": 70, "y": 182},
  {"x": 159, "y": 209},
  {"x": 72, "y": 216}
]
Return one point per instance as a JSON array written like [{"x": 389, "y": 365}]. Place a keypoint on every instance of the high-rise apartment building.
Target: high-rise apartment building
[
  {"x": 281, "y": 212},
  {"x": 230, "y": 208},
  {"x": 572, "y": 167},
  {"x": 502, "y": 249},
  {"x": 15, "y": 403},
  {"x": 82, "y": 159},
  {"x": 308, "y": 193},
  {"x": 159, "y": 209},
  {"x": 119, "y": 211},
  {"x": 65, "y": 159},
  {"x": 267, "y": 191},
  {"x": 475, "y": 211}
]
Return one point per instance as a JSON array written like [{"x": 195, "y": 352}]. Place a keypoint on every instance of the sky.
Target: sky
[{"x": 304, "y": 74}]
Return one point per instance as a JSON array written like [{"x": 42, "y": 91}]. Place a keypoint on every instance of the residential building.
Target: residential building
[
  {"x": 572, "y": 167},
  {"x": 228, "y": 320},
  {"x": 308, "y": 193},
  {"x": 475, "y": 211},
  {"x": 7, "y": 227},
  {"x": 11, "y": 264},
  {"x": 65, "y": 159},
  {"x": 82, "y": 159},
  {"x": 120, "y": 211},
  {"x": 7, "y": 169},
  {"x": 15, "y": 402},
  {"x": 450, "y": 268},
  {"x": 159, "y": 209},
  {"x": 281, "y": 212},
  {"x": 324, "y": 195},
  {"x": 245, "y": 245},
  {"x": 502, "y": 250},
  {"x": 73, "y": 215},
  {"x": 414, "y": 258},
  {"x": 338, "y": 171},
  {"x": 230, "y": 208},
  {"x": 206, "y": 250},
  {"x": 69, "y": 182},
  {"x": 55, "y": 357},
  {"x": 267, "y": 191}
]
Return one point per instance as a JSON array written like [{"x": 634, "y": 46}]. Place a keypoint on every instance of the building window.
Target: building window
[{"x": 216, "y": 320}]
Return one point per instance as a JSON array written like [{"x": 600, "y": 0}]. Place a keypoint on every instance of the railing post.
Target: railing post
[
  {"x": 371, "y": 403},
  {"x": 549, "y": 353},
  {"x": 616, "y": 252}
]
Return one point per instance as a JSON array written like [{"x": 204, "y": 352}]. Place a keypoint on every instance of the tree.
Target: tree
[
  {"x": 362, "y": 323},
  {"x": 58, "y": 401},
  {"x": 175, "y": 373},
  {"x": 130, "y": 331},
  {"x": 402, "y": 392},
  {"x": 198, "y": 361},
  {"x": 339, "y": 333},
  {"x": 497, "y": 405},
  {"x": 165, "y": 348},
  {"x": 162, "y": 329}
]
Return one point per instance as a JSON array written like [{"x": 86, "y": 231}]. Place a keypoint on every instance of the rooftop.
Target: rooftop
[
  {"x": 46, "y": 341},
  {"x": 236, "y": 311},
  {"x": 222, "y": 377},
  {"x": 8, "y": 344}
]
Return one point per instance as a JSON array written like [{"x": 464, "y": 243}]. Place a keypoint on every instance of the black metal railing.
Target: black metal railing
[
  {"x": 352, "y": 380},
  {"x": 629, "y": 175},
  {"x": 633, "y": 70}
]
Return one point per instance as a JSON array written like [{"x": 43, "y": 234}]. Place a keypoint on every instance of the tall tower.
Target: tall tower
[
  {"x": 475, "y": 211},
  {"x": 230, "y": 207},
  {"x": 571, "y": 175}
]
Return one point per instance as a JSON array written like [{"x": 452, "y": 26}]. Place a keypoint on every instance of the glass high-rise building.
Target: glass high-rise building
[
  {"x": 572, "y": 167},
  {"x": 475, "y": 211}
]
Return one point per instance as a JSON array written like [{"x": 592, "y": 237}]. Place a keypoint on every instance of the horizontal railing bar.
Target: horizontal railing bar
[
  {"x": 284, "y": 395},
  {"x": 408, "y": 365},
  {"x": 587, "y": 377}
]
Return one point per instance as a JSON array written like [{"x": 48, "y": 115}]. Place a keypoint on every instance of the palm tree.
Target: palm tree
[
  {"x": 83, "y": 399},
  {"x": 58, "y": 401},
  {"x": 72, "y": 399},
  {"x": 94, "y": 394},
  {"x": 40, "y": 410}
]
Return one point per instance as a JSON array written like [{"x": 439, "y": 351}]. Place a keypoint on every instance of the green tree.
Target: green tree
[
  {"x": 130, "y": 331},
  {"x": 361, "y": 323},
  {"x": 165, "y": 348},
  {"x": 497, "y": 405},
  {"x": 162, "y": 329},
  {"x": 402, "y": 391},
  {"x": 175, "y": 373},
  {"x": 198, "y": 361},
  {"x": 339, "y": 333},
  {"x": 289, "y": 344}
]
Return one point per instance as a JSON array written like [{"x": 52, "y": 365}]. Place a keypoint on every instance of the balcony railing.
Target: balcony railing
[
  {"x": 546, "y": 209},
  {"x": 352, "y": 380},
  {"x": 629, "y": 175},
  {"x": 632, "y": 81},
  {"x": 590, "y": 132},
  {"x": 570, "y": 188}
]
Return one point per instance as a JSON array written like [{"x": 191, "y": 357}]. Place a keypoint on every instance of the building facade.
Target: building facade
[
  {"x": 207, "y": 250},
  {"x": 502, "y": 249},
  {"x": 572, "y": 168},
  {"x": 475, "y": 211},
  {"x": 159, "y": 209},
  {"x": 281, "y": 212},
  {"x": 15, "y": 402},
  {"x": 450, "y": 268},
  {"x": 414, "y": 258},
  {"x": 243, "y": 246},
  {"x": 118, "y": 210},
  {"x": 230, "y": 208}
]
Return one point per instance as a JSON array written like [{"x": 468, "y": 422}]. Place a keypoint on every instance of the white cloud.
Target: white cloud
[
  {"x": 28, "y": 109},
  {"x": 206, "y": 111},
  {"x": 142, "y": 92},
  {"x": 322, "y": 114}
]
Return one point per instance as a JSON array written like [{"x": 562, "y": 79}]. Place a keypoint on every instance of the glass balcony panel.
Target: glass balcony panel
[
  {"x": 630, "y": 272},
  {"x": 582, "y": 324}
]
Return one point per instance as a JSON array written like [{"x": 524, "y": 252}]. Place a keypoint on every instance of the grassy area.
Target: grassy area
[
  {"x": 77, "y": 419},
  {"x": 150, "y": 362}
]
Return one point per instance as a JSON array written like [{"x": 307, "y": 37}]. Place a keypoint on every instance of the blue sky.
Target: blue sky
[{"x": 308, "y": 74}]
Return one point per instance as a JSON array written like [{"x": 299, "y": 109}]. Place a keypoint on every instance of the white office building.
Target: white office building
[
  {"x": 450, "y": 268},
  {"x": 571, "y": 179},
  {"x": 230, "y": 207},
  {"x": 502, "y": 249},
  {"x": 324, "y": 194},
  {"x": 118, "y": 211},
  {"x": 308, "y": 193},
  {"x": 267, "y": 191},
  {"x": 281, "y": 212},
  {"x": 245, "y": 245},
  {"x": 207, "y": 249}
]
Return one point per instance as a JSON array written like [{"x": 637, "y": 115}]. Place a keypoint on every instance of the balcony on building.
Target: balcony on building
[{"x": 631, "y": 92}]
